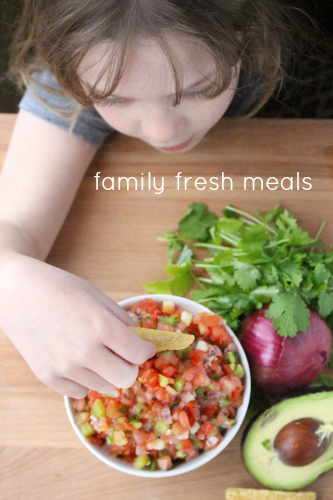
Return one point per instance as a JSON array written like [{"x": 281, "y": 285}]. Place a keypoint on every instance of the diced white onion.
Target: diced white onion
[
  {"x": 212, "y": 440},
  {"x": 186, "y": 397},
  {"x": 194, "y": 428},
  {"x": 202, "y": 346}
]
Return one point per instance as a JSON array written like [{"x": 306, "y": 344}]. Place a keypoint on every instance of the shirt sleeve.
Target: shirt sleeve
[{"x": 89, "y": 126}]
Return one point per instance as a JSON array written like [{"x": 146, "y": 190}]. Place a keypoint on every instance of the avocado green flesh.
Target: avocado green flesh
[{"x": 264, "y": 464}]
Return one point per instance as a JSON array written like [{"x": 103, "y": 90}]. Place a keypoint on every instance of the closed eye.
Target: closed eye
[{"x": 116, "y": 101}]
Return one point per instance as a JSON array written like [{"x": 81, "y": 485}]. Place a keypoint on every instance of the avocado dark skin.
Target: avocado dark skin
[{"x": 288, "y": 444}]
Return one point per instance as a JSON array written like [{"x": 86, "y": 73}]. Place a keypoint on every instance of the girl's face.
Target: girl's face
[{"x": 142, "y": 105}]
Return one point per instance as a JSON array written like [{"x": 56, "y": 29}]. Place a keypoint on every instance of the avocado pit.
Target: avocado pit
[{"x": 300, "y": 442}]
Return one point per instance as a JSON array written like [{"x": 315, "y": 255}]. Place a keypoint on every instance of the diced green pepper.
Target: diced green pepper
[
  {"x": 184, "y": 353},
  {"x": 133, "y": 418},
  {"x": 98, "y": 409},
  {"x": 139, "y": 408},
  {"x": 87, "y": 430},
  {"x": 109, "y": 440},
  {"x": 232, "y": 357},
  {"x": 169, "y": 320},
  {"x": 224, "y": 402},
  {"x": 123, "y": 410},
  {"x": 161, "y": 427},
  {"x": 163, "y": 381},
  {"x": 141, "y": 462},
  {"x": 179, "y": 446},
  {"x": 137, "y": 425},
  {"x": 200, "y": 390},
  {"x": 121, "y": 420},
  {"x": 153, "y": 464},
  {"x": 181, "y": 454},
  {"x": 239, "y": 371},
  {"x": 179, "y": 383},
  {"x": 196, "y": 443}
]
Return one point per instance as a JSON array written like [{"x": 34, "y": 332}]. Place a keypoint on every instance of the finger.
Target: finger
[
  {"x": 121, "y": 340},
  {"x": 88, "y": 378},
  {"x": 114, "y": 308},
  {"x": 69, "y": 388},
  {"x": 114, "y": 369}
]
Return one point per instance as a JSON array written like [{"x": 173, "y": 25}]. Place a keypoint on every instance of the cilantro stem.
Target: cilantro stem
[
  {"x": 276, "y": 243},
  {"x": 322, "y": 225},
  {"x": 229, "y": 239},
  {"x": 197, "y": 280},
  {"x": 254, "y": 219},
  {"x": 210, "y": 245}
]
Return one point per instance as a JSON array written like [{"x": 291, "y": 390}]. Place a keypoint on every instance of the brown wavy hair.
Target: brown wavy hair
[{"x": 57, "y": 34}]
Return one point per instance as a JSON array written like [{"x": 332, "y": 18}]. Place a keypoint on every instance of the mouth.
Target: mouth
[{"x": 178, "y": 146}]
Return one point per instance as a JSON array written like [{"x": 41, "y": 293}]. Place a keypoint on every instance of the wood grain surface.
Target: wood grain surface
[{"x": 110, "y": 239}]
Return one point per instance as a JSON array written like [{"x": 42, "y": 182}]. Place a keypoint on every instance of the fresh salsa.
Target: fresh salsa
[{"x": 182, "y": 402}]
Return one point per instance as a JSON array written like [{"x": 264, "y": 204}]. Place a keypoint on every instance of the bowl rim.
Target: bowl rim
[{"x": 203, "y": 458}]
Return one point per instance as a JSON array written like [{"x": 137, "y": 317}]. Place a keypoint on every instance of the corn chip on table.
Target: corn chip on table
[{"x": 110, "y": 239}]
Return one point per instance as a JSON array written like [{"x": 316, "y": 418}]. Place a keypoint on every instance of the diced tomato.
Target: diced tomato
[
  {"x": 156, "y": 314},
  {"x": 193, "y": 411},
  {"x": 219, "y": 333},
  {"x": 227, "y": 369},
  {"x": 200, "y": 380},
  {"x": 186, "y": 444},
  {"x": 150, "y": 378},
  {"x": 113, "y": 409},
  {"x": 156, "y": 406},
  {"x": 213, "y": 319},
  {"x": 208, "y": 428},
  {"x": 236, "y": 393},
  {"x": 192, "y": 372},
  {"x": 143, "y": 305},
  {"x": 140, "y": 436},
  {"x": 148, "y": 364},
  {"x": 211, "y": 410},
  {"x": 149, "y": 323},
  {"x": 162, "y": 395},
  {"x": 199, "y": 318},
  {"x": 164, "y": 462},
  {"x": 169, "y": 370},
  {"x": 97, "y": 440},
  {"x": 177, "y": 429},
  {"x": 184, "y": 420},
  {"x": 166, "y": 358},
  {"x": 92, "y": 396},
  {"x": 217, "y": 368},
  {"x": 196, "y": 356}
]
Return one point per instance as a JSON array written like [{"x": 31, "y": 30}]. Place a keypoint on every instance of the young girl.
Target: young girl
[{"x": 164, "y": 71}]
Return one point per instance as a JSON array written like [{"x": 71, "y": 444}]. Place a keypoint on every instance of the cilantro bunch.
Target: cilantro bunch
[{"x": 249, "y": 262}]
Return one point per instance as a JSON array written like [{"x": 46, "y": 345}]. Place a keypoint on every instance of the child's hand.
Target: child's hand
[{"x": 72, "y": 335}]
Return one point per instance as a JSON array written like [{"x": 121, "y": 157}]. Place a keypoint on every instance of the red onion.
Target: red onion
[{"x": 282, "y": 364}]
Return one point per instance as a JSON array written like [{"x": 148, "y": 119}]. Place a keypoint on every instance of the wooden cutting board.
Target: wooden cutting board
[{"x": 110, "y": 239}]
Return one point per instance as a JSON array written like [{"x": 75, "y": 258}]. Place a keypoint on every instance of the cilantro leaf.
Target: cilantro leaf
[
  {"x": 289, "y": 314},
  {"x": 179, "y": 284},
  {"x": 196, "y": 222},
  {"x": 246, "y": 275},
  {"x": 325, "y": 303}
]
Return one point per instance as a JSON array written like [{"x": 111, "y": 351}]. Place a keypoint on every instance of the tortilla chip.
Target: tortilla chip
[
  {"x": 249, "y": 494},
  {"x": 164, "y": 341}
]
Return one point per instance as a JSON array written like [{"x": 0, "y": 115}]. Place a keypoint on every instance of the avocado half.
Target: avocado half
[{"x": 259, "y": 452}]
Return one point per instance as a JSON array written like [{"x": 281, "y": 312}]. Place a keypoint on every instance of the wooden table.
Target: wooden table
[{"x": 109, "y": 238}]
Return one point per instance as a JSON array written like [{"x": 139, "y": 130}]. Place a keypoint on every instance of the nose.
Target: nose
[{"x": 161, "y": 127}]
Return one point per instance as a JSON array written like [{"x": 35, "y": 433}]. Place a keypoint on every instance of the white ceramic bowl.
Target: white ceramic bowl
[{"x": 204, "y": 457}]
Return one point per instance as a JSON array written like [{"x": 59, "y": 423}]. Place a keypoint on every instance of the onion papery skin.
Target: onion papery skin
[{"x": 282, "y": 364}]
